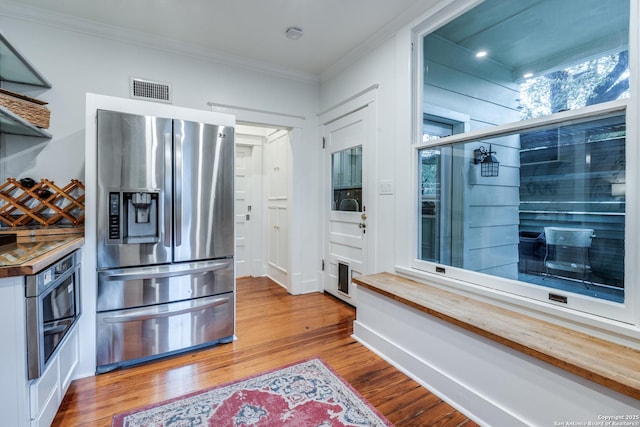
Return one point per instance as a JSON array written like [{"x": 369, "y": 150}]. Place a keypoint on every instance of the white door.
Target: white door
[
  {"x": 346, "y": 238},
  {"x": 277, "y": 170},
  {"x": 243, "y": 211}
]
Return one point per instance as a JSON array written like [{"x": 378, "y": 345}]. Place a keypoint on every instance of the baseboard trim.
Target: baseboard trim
[{"x": 465, "y": 400}]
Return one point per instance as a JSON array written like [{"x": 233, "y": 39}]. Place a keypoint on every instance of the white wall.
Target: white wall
[
  {"x": 77, "y": 63},
  {"x": 455, "y": 380},
  {"x": 375, "y": 69}
]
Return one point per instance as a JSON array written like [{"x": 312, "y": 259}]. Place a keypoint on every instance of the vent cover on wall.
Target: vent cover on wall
[{"x": 151, "y": 91}]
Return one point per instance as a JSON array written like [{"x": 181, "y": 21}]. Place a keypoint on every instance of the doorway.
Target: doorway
[{"x": 262, "y": 202}]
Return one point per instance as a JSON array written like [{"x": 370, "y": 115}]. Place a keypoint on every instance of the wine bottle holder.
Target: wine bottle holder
[{"x": 43, "y": 204}]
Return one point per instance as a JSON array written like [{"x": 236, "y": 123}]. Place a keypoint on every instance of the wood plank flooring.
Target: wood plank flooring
[{"x": 273, "y": 329}]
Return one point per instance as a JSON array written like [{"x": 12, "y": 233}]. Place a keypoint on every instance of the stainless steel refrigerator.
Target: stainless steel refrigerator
[{"x": 165, "y": 237}]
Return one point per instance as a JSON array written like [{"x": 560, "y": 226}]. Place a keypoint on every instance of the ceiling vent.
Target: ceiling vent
[{"x": 150, "y": 91}]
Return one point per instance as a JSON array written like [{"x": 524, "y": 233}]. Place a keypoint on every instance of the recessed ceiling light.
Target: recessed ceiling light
[
  {"x": 527, "y": 75},
  {"x": 294, "y": 33},
  {"x": 481, "y": 53}
]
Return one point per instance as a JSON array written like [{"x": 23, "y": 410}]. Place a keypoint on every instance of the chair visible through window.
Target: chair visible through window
[
  {"x": 349, "y": 205},
  {"x": 567, "y": 250}
]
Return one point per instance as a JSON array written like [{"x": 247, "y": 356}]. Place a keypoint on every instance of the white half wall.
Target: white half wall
[{"x": 487, "y": 381}]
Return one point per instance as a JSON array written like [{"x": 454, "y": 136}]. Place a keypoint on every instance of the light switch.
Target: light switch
[{"x": 385, "y": 187}]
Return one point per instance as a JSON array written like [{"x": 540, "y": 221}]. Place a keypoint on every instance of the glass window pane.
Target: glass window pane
[
  {"x": 505, "y": 61},
  {"x": 346, "y": 179},
  {"x": 554, "y": 216},
  {"x": 429, "y": 204}
]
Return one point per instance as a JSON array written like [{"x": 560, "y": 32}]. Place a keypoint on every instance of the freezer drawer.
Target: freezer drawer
[
  {"x": 139, "y": 286},
  {"x": 130, "y": 336}
]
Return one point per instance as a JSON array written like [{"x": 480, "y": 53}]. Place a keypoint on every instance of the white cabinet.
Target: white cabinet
[
  {"x": 47, "y": 392},
  {"x": 278, "y": 237},
  {"x": 23, "y": 402}
]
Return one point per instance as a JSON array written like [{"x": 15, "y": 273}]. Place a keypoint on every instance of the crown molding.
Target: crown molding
[
  {"x": 410, "y": 16},
  {"x": 91, "y": 28}
]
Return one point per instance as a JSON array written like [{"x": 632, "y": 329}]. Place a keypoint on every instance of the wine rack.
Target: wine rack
[{"x": 42, "y": 204}]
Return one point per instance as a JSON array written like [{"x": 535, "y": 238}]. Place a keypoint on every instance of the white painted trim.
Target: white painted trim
[
  {"x": 380, "y": 37},
  {"x": 260, "y": 117},
  {"x": 349, "y": 104},
  {"x": 226, "y": 108},
  {"x": 585, "y": 113}
]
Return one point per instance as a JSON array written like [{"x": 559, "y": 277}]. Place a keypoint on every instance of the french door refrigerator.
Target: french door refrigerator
[{"x": 165, "y": 237}]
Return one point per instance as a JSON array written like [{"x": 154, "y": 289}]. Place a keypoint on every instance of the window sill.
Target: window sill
[{"x": 609, "y": 364}]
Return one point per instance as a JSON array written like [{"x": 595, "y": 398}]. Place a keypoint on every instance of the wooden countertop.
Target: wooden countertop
[
  {"x": 29, "y": 256},
  {"x": 609, "y": 364}
]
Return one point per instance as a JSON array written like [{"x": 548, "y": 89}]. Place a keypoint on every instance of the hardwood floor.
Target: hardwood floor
[{"x": 273, "y": 329}]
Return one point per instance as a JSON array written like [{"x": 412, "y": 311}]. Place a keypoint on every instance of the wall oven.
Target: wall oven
[{"x": 53, "y": 308}]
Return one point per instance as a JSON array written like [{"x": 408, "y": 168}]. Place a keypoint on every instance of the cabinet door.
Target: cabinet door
[
  {"x": 278, "y": 244},
  {"x": 272, "y": 224},
  {"x": 277, "y": 155},
  {"x": 283, "y": 239}
]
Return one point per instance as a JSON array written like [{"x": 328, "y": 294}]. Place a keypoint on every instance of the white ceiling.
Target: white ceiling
[{"x": 251, "y": 30}]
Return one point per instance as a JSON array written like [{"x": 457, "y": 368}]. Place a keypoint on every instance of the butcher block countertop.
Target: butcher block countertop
[
  {"x": 34, "y": 250},
  {"x": 609, "y": 364}
]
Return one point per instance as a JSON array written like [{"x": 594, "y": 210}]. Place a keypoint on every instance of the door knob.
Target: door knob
[{"x": 363, "y": 216}]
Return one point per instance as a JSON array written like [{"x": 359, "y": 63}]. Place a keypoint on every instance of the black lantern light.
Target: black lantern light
[{"x": 488, "y": 163}]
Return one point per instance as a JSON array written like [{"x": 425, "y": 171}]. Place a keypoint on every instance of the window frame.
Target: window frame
[{"x": 580, "y": 308}]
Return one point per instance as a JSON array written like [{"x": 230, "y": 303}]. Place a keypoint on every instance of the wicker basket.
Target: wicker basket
[{"x": 30, "y": 109}]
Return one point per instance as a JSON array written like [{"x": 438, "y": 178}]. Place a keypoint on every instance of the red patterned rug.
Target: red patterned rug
[{"x": 300, "y": 395}]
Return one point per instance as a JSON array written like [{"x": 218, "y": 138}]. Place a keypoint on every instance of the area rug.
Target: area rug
[{"x": 304, "y": 394}]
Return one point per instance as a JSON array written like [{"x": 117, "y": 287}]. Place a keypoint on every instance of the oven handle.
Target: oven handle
[
  {"x": 149, "y": 316},
  {"x": 151, "y": 274}
]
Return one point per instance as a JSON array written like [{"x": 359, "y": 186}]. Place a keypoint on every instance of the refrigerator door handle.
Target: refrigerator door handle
[
  {"x": 168, "y": 159},
  {"x": 141, "y": 315},
  {"x": 139, "y": 274},
  {"x": 179, "y": 179}
]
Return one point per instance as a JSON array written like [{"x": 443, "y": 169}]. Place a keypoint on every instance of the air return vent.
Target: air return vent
[{"x": 150, "y": 91}]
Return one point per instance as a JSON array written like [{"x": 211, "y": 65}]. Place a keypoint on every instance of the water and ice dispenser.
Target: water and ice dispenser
[{"x": 134, "y": 216}]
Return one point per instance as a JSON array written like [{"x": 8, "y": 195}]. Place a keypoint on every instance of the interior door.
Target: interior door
[
  {"x": 346, "y": 224},
  {"x": 243, "y": 210}
]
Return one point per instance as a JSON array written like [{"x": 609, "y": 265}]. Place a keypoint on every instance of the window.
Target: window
[
  {"x": 346, "y": 179},
  {"x": 530, "y": 196}
]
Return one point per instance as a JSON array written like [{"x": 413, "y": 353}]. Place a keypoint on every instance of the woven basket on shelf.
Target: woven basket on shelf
[{"x": 30, "y": 109}]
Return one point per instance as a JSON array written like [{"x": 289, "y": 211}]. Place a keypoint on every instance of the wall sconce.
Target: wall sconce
[{"x": 488, "y": 163}]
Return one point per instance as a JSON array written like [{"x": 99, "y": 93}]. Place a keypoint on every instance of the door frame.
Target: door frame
[
  {"x": 295, "y": 124},
  {"x": 363, "y": 100}
]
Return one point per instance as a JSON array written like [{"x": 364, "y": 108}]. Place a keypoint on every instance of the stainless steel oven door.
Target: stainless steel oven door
[
  {"x": 50, "y": 316},
  {"x": 138, "y": 334}
]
